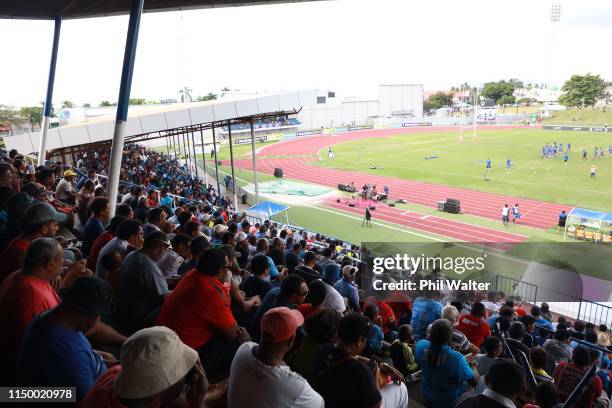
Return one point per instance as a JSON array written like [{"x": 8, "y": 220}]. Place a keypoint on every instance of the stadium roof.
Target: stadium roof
[
  {"x": 173, "y": 117},
  {"x": 71, "y": 9}
]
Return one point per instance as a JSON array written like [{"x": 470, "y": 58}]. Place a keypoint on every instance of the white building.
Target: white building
[{"x": 394, "y": 101}]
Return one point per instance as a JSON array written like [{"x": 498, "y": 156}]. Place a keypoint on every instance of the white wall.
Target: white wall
[
  {"x": 393, "y": 98},
  {"x": 401, "y": 98}
]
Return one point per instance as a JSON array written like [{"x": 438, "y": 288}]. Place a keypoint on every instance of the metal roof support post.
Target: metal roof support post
[
  {"x": 232, "y": 165},
  {"x": 184, "y": 154},
  {"x": 188, "y": 147},
  {"x": 44, "y": 127},
  {"x": 127, "y": 71},
  {"x": 167, "y": 145},
  {"x": 216, "y": 162},
  {"x": 172, "y": 144},
  {"x": 195, "y": 157},
  {"x": 204, "y": 157},
  {"x": 254, "y": 163}
]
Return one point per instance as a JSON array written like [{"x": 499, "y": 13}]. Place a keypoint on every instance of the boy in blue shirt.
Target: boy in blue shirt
[{"x": 55, "y": 352}]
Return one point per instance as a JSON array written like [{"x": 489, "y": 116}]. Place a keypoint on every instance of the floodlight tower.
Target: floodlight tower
[{"x": 555, "y": 17}]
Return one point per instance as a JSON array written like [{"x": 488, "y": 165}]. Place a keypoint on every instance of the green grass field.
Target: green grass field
[
  {"x": 584, "y": 117},
  {"x": 463, "y": 164}
]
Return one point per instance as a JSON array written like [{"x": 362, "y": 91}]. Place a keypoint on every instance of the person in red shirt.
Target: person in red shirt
[
  {"x": 386, "y": 314},
  {"x": 198, "y": 310},
  {"x": 401, "y": 304},
  {"x": 568, "y": 375},
  {"x": 314, "y": 300},
  {"x": 40, "y": 220},
  {"x": 103, "y": 239},
  {"x": 474, "y": 326},
  {"x": 26, "y": 293}
]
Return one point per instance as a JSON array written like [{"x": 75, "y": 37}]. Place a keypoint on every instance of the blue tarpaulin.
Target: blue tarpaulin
[{"x": 267, "y": 209}]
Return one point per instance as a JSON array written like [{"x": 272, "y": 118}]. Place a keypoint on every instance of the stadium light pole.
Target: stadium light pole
[
  {"x": 127, "y": 71},
  {"x": 232, "y": 165},
  {"x": 216, "y": 161},
  {"x": 44, "y": 127},
  {"x": 555, "y": 17},
  {"x": 254, "y": 163}
]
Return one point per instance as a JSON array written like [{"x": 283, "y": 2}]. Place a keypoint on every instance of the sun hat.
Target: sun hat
[
  {"x": 349, "y": 270},
  {"x": 241, "y": 236},
  {"x": 152, "y": 360},
  {"x": 603, "y": 339},
  {"x": 279, "y": 324},
  {"x": 220, "y": 228},
  {"x": 69, "y": 173}
]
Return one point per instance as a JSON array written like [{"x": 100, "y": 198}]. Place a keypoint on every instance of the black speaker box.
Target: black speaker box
[
  {"x": 351, "y": 204},
  {"x": 391, "y": 204},
  {"x": 453, "y": 201}
]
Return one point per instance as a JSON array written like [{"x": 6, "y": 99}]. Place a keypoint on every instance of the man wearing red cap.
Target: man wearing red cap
[{"x": 261, "y": 367}]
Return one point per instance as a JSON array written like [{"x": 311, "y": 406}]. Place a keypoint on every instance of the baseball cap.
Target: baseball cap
[
  {"x": 41, "y": 213},
  {"x": 220, "y": 228},
  {"x": 349, "y": 270},
  {"x": 280, "y": 323},
  {"x": 89, "y": 295},
  {"x": 241, "y": 236},
  {"x": 69, "y": 173},
  {"x": 152, "y": 360}
]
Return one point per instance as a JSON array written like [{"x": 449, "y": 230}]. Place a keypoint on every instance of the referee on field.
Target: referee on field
[{"x": 367, "y": 218}]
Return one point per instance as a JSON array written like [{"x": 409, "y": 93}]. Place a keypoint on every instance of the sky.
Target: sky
[{"x": 348, "y": 46}]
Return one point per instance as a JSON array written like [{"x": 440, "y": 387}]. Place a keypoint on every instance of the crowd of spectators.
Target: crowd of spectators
[{"x": 190, "y": 304}]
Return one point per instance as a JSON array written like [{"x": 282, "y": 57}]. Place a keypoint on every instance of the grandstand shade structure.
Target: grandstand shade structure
[
  {"x": 72, "y": 9},
  {"x": 172, "y": 119},
  {"x": 66, "y": 9}
]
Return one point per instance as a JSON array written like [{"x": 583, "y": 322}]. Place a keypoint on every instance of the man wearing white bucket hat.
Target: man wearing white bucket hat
[{"x": 156, "y": 368}]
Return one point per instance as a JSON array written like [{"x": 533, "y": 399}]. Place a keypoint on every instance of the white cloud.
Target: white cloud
[{"x": 347, "y": 45}]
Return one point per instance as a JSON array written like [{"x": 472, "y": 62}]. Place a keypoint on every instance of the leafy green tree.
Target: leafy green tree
[
  {"x": 497, "y": 90},
  {"x": 506, "y": 100},
  {"x": 67, "y": 105},
  {"x": 107, "y": 103},
  {"x": 8, "y": 114},
  {"x": 86, "y": 105},
  {"x": 583, "y": 90},
  {"x": 137, "y": 101},
  {"x": 210, "y": 97},
  {"x": 438, "y": 100},
  {"x": 32, "y": 114},
  {"x": 527, "y": 101}
]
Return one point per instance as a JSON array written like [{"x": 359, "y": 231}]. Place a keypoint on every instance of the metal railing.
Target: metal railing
[{"x": 568, "y": 305}]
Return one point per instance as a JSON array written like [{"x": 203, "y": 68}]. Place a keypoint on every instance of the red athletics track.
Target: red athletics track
[
  {"x": 537, "y": 214},
  {"x": 441, "y": 226}
]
